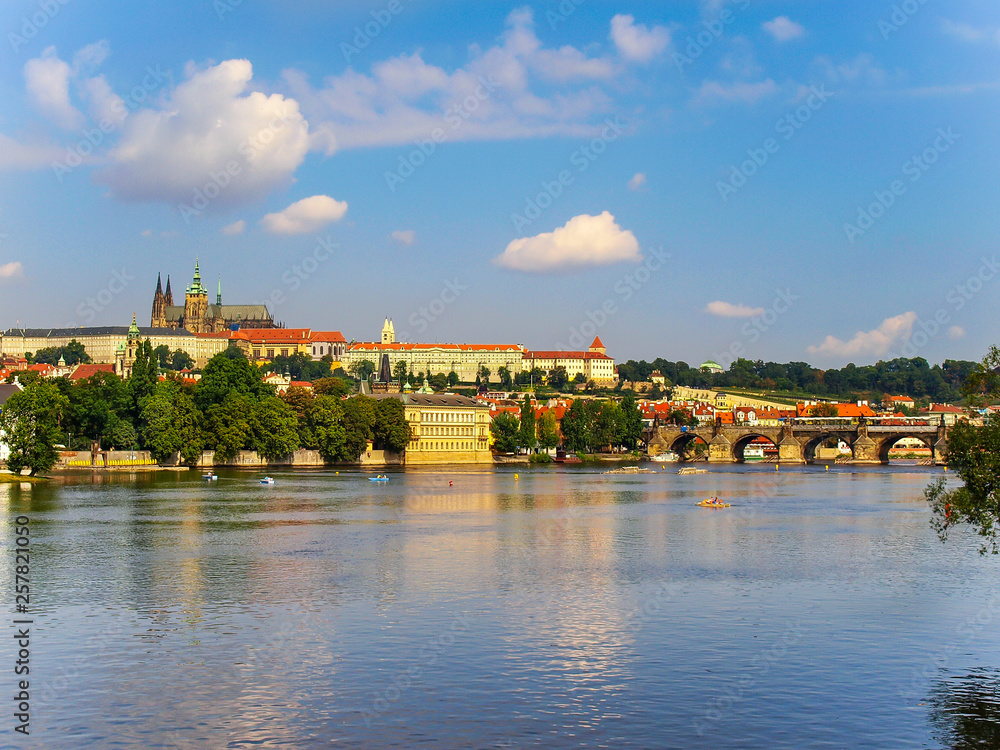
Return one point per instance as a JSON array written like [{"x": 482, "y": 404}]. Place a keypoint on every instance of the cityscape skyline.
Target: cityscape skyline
[{"x": 785, "y": 183}]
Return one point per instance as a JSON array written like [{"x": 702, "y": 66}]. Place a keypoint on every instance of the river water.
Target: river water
[{"x": 518, "y": 608}]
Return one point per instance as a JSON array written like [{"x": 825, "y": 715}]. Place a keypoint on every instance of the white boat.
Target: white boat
[
  {"x": 267, "y": 480},
  {"x": 691, "y": 470},
  {"x": 210, "y": 477},
  {"x": 666, "y": 458}
]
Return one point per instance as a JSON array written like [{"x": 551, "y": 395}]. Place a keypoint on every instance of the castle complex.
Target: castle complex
[{"x": 197, "y": 316}]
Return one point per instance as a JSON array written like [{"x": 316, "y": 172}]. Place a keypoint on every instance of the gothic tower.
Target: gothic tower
[
  {"x": 195, "y": 303},
  {"x": 388, "y": 333},
  {"x": 159, "y": 317},
  {"x": 168, "y": 298}
]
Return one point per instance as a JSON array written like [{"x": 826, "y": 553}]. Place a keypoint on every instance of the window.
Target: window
[
  {"x": 270, "y": 353},
  {"x": 284, "y": 352}
]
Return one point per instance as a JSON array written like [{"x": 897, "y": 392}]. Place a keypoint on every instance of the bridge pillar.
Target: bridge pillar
[
  {"x": 720, "y": 450},
  {"x": 865, "y": 450},
  {"x": 790, "y": 451},
  {"x": 940, "y": 451}
]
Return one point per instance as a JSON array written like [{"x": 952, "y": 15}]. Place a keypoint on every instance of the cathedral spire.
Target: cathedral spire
[
  {"x": 159, "y": 287},
  {"x": 218, "y": 295},
  {"x": 168, "y": 297}
]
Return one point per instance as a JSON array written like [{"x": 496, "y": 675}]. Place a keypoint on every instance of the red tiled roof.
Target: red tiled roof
[
  {"x": 598, "y": 344},
  {"x": 332, "y": 336},
  {"x": 288, "y": 335},
  {"x": 376, "y": 346},
  {"x": 85, "y": 371}
]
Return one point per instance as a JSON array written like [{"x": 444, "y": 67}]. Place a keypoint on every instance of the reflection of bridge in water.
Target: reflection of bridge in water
[{"x": 797, "y": 441}]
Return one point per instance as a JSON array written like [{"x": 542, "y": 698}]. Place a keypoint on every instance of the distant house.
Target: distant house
[
  {"x": 711, "y": 366},
  {"x": 895, "y": 402},
  {"x": 82, "y": 372},
  {"x": 657, "y": 378},
  {"x": 950, "y": 414}
]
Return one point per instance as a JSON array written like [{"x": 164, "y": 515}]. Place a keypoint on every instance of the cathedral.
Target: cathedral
[{"x": 197, "y": 316}]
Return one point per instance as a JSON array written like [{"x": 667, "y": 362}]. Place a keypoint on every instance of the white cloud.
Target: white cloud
[
  {"x": 956, "y": 332},
  {"x": 637, "y": 181},
  {"x": 404, "y": 236},
  {"x": 102, "y": 102},
  {"x": 198, "y": 133},
  {"x": 741, "y": 91},
  {"x": 235, "y": 228},
  {"x": 12, "y": 270},
  {"x": 304, "y": 216},
  {"x": 147, "y": 232},
  {"x": 15, "y": 155},
  {"x": 783, "y": 29},
  {"x": 636, "y": 42},
  {"x": 730, "y": 310},
  {"x": 516, "y": 88},
  {"x": 47, "y": 81},
  {"x": 877, "y": 341},
  {"x": 583, "y": 241},
  {"x": 965, "y": 32},
  {"x": 860, "y": 69}
]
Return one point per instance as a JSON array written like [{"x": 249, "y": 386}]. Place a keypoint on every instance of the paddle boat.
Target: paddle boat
[
  {"x": 712, "y": 502},
  {"x": 210, "y": 477},
  {"x": 267, "y": 480},
  {"x": 379, "y": 478}
]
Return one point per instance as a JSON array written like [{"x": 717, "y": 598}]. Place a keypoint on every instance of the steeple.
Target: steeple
[
  {"x": 388, "y": 332},
  {"x": 168, "y": 296},
  {"x": 196, "y": 285},
  {"x": 218, "y": 295},
  {"x": 133, "y": 330},
  {"x": 159, "y": 289}
]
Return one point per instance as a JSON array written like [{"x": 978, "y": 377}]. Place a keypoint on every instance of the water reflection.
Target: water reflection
[{"x": 965, "y": 710}]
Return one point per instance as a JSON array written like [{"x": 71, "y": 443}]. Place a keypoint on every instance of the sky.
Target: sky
[{"x": 787, "y": 181}]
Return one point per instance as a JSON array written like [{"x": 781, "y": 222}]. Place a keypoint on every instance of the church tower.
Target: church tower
[
  {"x": 195, "y": 303},
  {"x": 388, "y": 333},
  {"x": 158, "y": 319},
  {"x": 168, "y": 297}
]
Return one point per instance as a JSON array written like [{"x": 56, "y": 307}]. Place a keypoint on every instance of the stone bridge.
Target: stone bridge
[{"x": 797, "y": 441}]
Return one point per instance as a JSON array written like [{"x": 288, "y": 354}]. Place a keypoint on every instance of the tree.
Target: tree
[
  {"x": 631, "y": 421},
  {"x": 331, "y": 387},
  {"x": 299, "y": 400},
  {"x": 558, "y": 378},
  {"x": 145, "y": 375},
  {"x": 94, "y": 403},
  {"x": 824, "y": 410},
  {"x": 390, "y": 430},
  {"x": 275, "y": 429},
  {"x": 181, "y": 360},
  {"x": 484, "y": 373},
  {"x": 575, "y": 427},
  {"x": 72, "y": 353},
  {"x": 325, "y": 419},
  {"x": 362, "y": 369},
  {"x": 227, "y": 426},
  {"x": 505, "y": 429},
  {"x": 975, "y": 452},
  {"x": 120, "y": 434},
  {"x": 224, "y": 376},
  {"x": 439, "y": 381},
  {"x": 453, "y": 379},
  {"x": 506, "y": 381},
  {"x": 162, "y": 355},
  {"x": 548, "y": 431},
  {"x": 171, "y": 424},
  {"x": 526, "y": 433},
  {"x": 30, "y": 420},
  {"x": 399, "y": 371},
  {"x": 359, "y": 421}
]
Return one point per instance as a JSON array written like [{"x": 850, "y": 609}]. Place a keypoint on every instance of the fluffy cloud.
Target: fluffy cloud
[
  {"x": 304, "y": 216},
  {"x": 742, "y": 91},
  {"x": 404, "y": 236},
  {"x": 636, "y": 42},
  {"x": 968, "y": 33},
  {"x": 12, "y": 270},
  {"x": 877, "y": 341},
  {"x": 729, "y": 310},
  {"x": 583, "y": 241},
  {"x": 956, "y": 332},
  {"x": 637, "y": 181},
  {"x": 15, "y": 155},
  {"x": 235, "y": 228},
  {"x": 783, "y": 29},
  {"x": 209, "y": 138},
  {"x": 516, "y": 88},
  {"x": 47, "y": 80}
]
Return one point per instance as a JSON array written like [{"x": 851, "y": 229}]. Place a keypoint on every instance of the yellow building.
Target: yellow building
[{"x": 446, "y": 429}]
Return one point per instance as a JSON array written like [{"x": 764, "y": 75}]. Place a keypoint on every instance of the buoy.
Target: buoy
[
  {"x": 515, "y": 476},
  {"x": 451, "y": 483},
  {"x": 776, "y": 467},
  {"x": 828, "y": 467}
]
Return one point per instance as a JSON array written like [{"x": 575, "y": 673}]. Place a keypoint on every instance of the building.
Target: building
[
  {"x": 102, "y": 342},
  {"x": 328, "y": 343},
  {"x": 198, "y": 316},
  {"x": 593, "y": 364},
  {"x": 446, "y": 429},
  {"x": 711, "y": 366},
  {"x": 125, "y": 356},
  {"x": 896, "y": 402},
  {"x": 265, "y": 344},
  {"x": 936, "y": 413}
]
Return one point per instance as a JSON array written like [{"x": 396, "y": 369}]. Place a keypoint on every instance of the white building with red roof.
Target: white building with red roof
[{"x": 594, "y": 364}]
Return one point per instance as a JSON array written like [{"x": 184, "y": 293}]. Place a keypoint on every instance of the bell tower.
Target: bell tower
[
  {"x": 158, "y": 319},
  {"x": 195, "y": 303}
]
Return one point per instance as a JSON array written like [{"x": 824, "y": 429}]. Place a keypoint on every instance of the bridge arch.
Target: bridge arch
[
  {"x": 889, "y": 443},
  {"x": 741, "y": 443},
  {"x": 815, "y": 441},
  {"x": 683, "y": 444}
]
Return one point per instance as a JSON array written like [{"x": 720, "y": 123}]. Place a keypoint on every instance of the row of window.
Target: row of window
[
  {"x": 460, "y": 445},
  {"x": 448, "y": 431}
]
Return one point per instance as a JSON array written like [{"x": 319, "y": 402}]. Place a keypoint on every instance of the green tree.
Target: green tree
[
  {"x": 391, "y": 430},
  {"x": 31, "y": 421},
  {"x": 575, "y": 427},
  {"x": 453, "y": 379},
  {"x": 227, "y": 426},
  {"x": 325, "y": 418},
  {"x": 439, "y": 381},
  {"x": 824, "y": 410},
  {"x": 548, "y": 430},
  {"x": 224, "y": 376},
  {"x": 526, "y": 434},
  {"x": 506, "y": 381},
  {"x": 299, "y": 401},
  {"x": 362, "y": 370},
  {"x": 162, "y": 356},
  {"x": 505, "y": 429},
  {"x": 558, "y": 378},
  {"x": 359, "y": 422},
  {"x": 399, "y": 371},
  {"x": 171, "y": 424},
  {"x": 331, "y": 387},
  {"x": 484, "y": 374},
  {"x": 144, "y": 378},
  {"x": 121, "y": 435},
  {"x": 181, "y": 360},
  {"x": 631, "y": 421},
  {"x": 275, "y": 429},
  {"x": 94, "y": 403},
  {"x": 72, "y": 353}
]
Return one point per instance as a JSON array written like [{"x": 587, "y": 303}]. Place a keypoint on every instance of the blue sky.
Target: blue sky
[{"x": 809, "y": 181}]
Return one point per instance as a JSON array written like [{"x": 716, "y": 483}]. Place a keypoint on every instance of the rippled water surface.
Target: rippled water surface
[{"x": 551, "y": 609}]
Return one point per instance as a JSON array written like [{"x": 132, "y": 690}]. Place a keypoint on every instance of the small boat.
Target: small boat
[
  {"x": 666, "y": 458},
  {"x": 691, "y": 470},
  {"x": 267, "y": 480},
  {"x": 712, "y": 502},
  {"x": 210, "y": 477},
  {"x": 379, "y": 478}
]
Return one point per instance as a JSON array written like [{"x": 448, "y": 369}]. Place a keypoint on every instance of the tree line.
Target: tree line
[
  {"x": 228, "y": 410},
  {"x": 913, "y": 377}
]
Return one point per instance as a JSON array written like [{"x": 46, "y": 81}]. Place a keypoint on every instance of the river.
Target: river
[{"x": 517, "y": 608}]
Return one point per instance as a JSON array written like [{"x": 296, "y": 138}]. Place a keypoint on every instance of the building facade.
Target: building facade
[
  {"x": 196, "y": 315},
  {"x": 446, "y": 429}
]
